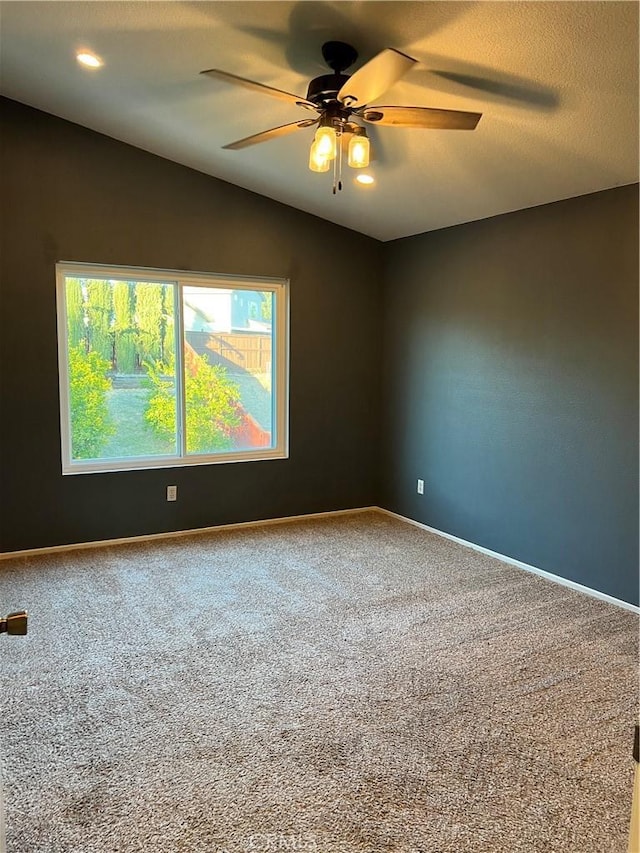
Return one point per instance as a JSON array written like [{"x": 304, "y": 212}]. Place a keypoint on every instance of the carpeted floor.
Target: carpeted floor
[{"x": 337, "y": 685}]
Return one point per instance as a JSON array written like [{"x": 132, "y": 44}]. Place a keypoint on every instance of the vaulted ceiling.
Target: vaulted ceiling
[{"x": 557, "y": 84}]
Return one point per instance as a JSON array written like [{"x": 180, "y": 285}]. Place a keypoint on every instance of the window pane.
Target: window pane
[
  {"x": 228, "y": 345},
  {"x": 161, "y": 368},
  {"x": 121, "y": 365}
]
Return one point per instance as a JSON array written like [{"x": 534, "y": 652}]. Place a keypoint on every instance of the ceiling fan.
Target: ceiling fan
[{"x": 340, "y": 100}]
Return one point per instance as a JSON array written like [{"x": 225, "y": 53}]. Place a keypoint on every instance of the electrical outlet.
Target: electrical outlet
[
  {"x": 172, "y": 493},
  {"x": 421, "y": 487}
]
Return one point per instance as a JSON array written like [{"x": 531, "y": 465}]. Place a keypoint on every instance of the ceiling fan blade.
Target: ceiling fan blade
[
  {"x": 425, "y": 117},
  {"x": 272, "y": 133},
  {"x": 374, "y": 78},
  {"x": 259, "y": 87}
]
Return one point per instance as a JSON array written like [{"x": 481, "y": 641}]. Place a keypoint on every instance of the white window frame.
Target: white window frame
[{"x": 179, "y": 279}]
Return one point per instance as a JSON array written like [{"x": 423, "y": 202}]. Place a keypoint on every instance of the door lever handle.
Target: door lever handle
[{"x": 14, "y": 623}]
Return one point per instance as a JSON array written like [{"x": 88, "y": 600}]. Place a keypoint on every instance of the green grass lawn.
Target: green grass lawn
[{"x": 133, "y": 437}]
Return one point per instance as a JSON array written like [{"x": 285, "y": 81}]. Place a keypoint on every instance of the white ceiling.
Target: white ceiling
[{"x": 557, "y": 84}]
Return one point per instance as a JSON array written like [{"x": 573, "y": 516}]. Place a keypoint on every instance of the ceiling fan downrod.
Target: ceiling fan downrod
[{"x": 338, "y": 55}]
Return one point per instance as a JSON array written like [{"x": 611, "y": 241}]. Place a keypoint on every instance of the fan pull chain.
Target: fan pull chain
[{"x": 337, "y": 166}]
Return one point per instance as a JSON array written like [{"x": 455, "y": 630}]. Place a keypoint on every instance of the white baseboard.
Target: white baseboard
[
  {"x": 105, "y": 543},
  {"x": 594, "y": 593}
]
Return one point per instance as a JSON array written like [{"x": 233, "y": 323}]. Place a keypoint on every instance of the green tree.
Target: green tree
[
  {"x": 212, "y": 404},
  {"x": 168, "y": 324},
  {"x": 266, "y": 308},
  {"x": 124, "y": 329},
  {"x": 76, "y": 328},
  {"x": 91, "y": 426},
  {"x": 149, "y": 320},
  {"x": 100, "y": 314}
]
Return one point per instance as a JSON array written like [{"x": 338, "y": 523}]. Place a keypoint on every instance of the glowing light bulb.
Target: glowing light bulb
[
  {"x": 359, "y": 150},
  {"x": 326, "y": 140},
  {"x": 365, "y": 179},
  {"x": 90, "y": 60},
  {"x": 317, "y": 162}
]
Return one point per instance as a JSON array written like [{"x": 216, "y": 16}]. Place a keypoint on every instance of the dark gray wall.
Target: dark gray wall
[
  {"x": 71, "y": 194},
  {"x": 511, "y": 385}
]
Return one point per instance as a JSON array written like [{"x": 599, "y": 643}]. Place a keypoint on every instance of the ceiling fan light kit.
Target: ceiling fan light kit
[
  {"x": 341, "y": 99},
  {"x": 326, "y": 140},
  {"x": 359, "y": 149},
  {"x": 317, "y": 161}
]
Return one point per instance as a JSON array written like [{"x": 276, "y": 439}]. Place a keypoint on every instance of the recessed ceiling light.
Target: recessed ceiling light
[
  {"x": 365, "y": 179},
  {"x": 90, "y": 60}
]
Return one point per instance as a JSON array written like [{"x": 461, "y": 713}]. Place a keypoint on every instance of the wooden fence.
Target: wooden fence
[{"x": 250, "y": 351}]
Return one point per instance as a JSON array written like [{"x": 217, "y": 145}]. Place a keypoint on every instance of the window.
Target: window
[{"x": 161, "y": 368}]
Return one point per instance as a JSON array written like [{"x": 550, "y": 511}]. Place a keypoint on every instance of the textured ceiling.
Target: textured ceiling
[{"x": 557, "y": 84}]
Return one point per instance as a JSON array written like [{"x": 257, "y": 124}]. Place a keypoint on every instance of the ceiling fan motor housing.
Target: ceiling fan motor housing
[{"x": 324, "y": 89}]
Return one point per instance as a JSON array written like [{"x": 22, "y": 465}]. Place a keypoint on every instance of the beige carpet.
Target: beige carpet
[{"x": 335, "y": 685}]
